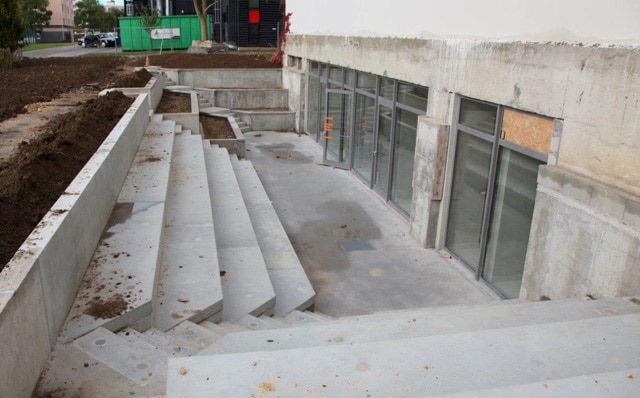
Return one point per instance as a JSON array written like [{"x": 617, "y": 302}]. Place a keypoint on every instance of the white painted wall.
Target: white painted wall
[{"x": 587, "y": 21}]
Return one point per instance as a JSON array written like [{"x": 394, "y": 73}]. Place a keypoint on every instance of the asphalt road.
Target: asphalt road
[{"x": 72, "y": 50}]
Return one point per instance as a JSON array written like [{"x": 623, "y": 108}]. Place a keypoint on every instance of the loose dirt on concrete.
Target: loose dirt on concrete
[
  {"x": 216, "y": 128},
  {"x": 174, "y": 103},
  {"x": 51, "y": 123}
]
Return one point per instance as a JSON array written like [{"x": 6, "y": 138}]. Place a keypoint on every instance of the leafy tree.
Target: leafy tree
[
  {"x": 89, "y": 14},
  {"x": 35, "y": 14},
  {"x": 11, "y": 24},
  {"x": 149, "y": 20},
  {"x": 201, "y": 11}
]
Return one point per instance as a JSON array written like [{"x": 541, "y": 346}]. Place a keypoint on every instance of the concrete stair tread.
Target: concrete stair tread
[
  {"x": 195, "y": 335},
  {"x": 412, "y": 325},
  {"x": 124, "y": 357},
  {"x": 71, "y": 371},
  {"x": 291, "y": 284},
  {"x": 264, "y": 322},
  {"x": 189, "y": 285},
  {"x": 321, "y": 315},
  {"x": 215, "y": 111},
  {"x": 179, "y": 346},
  {"x": 154, "y": 341},
  {"x": 118, "y": 286},
  {"x": 246, "y": 285},
  {"x": 148, "y": 177},
  {"x": 437, "y": 365},
  {"x": 299, "y": 317},
  {"x": 604, "y": 384},
  {"x": 276, "y": 321}
]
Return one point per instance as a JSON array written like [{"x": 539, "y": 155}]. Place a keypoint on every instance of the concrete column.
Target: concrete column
[
  {"x": 585, "y": 239},
  {"x": 428, "y": 177}
]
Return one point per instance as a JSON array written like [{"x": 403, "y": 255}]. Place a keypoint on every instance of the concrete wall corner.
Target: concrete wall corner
[{"x": 428, "y": 179}]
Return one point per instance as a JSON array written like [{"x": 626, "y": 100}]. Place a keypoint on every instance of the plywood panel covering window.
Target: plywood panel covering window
[{"x": 527, "y": 130}]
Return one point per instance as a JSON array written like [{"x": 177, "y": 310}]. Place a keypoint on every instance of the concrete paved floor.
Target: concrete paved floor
[{"x": 321, "y": 206}]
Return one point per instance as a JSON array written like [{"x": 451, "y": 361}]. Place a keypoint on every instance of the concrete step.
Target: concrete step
[
  {"x": 433, "y": 365},
  {"x": 404, "y": 324},
  {"x": 245, "y": 129},
  {"x": 73, "y": 372},
  {"x": 189, "y": 285},
  {"x": 298, "y": 317},
  {"x": 215, "y": 111},
  {"x": 148, "y": 177},
  {"x": 117, "y": 289},
  {"x": 246, "y": 285},
  {"x": 291, "y": 284},
  {"x": 155, "y": 340},
  {"x": 195, "y": 335},
  {"x": 165, "y": 339},
  {"x": 124, "y": 357},
  {"x": 321, "y": 315},
  {"x": 230, "y": 328},
  {"x": 277, "y": 321},
  {"x": 264, "y": 322}
]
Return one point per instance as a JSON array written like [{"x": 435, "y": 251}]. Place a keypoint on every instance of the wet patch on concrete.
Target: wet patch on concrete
[{"x": 284, "y": 151}]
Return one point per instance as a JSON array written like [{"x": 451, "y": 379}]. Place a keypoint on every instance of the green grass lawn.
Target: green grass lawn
[{"x": 42, "y": 46}]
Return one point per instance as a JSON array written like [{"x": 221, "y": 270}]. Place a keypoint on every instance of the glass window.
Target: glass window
[
  {"x": 478, "y": 115},
  {"x": 413, "y": 96},
  {"x": 384, "y": 147},
  {"x": 470, "y": 180},
  {"x": 314, "y": 107},
  {"x": 335, "y": 77},
  {"x": 314, "y": 68},
  {"x": 513, "y": 202},
  {"x": 349, "y": 77},
  {"x": 367, "y": 82},
  {"x": 403, "y": 150},
  {"x": 365, "y": 129},
  {"x": 386, "y": 88}
]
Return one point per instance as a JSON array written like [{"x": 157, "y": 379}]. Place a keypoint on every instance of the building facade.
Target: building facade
[
  {"x": 61, "y": 24},
  {"x": 507, "y": 135}
]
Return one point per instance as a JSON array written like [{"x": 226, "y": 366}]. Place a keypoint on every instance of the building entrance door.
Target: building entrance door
[
  {"x": 498, "y": 153},
  {"x": 337, "y": 129}
]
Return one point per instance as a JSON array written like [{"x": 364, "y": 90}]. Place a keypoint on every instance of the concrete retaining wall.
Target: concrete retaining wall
[
  {"x": 189, "y": 121},
  {"x": 233, "y": 145},
  {"x": 275, "y": 120},
  {"x": 294, "y": 80},
  {"x": 39, "y": 284},
  {"x": 585, "y": 239},
  {"x": 153, "y": 89},
  {"x": 227, "y": 78},
  {"x": 251, "y": 98}
]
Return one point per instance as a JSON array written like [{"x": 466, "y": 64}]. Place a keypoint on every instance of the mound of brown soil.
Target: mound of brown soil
[
  {"x": 135, "y": 79},
  {"x": 33, "y": 180},
  {"x": 42, "y": 79},
  {"x": 215, "y": 60}
]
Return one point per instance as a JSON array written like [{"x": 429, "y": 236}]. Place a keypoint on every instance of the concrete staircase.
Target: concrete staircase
[
  {"x": 565, "y": 348},
  {"x": 182, "y": 262}
]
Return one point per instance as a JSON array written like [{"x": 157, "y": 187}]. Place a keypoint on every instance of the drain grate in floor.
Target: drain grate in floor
[{"x": 355, "y": 245}]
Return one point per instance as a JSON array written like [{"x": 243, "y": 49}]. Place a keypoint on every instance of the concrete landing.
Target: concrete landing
[
  {"x": 320, "y": 207},
  {"x": 427, "y": 366},
  {"x": 291, "y": 284},
  {"x": 246, "y": 285},
  {"x": 189, "y": 283}
]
